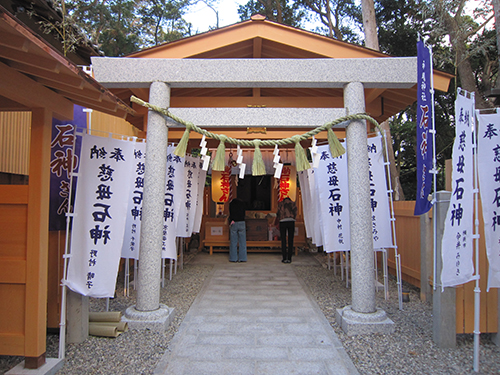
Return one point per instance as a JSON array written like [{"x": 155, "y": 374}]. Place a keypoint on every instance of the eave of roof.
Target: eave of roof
[
  {"x": 26, "y": 56},
  {"x": 253, "y": 28}
]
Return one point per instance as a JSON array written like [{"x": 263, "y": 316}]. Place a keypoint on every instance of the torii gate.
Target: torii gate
[{"x": 353, "y": 75}]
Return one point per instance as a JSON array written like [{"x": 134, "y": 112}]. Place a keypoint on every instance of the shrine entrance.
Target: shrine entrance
[{"x": 294, "y": 81}]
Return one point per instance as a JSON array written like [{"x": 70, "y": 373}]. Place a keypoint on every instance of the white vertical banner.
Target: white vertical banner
[
  {"x": 174, "y": 188},
  {"x": 99, "y": 215},
  {"x": 132, "y": 236},
  {"x": 488, "y": 139},
  {"x": 202, "y": 176},
  {"x": 332, "y": 185},
  {"x": 318, "y": 232},
  {"x": 457, "y": 248},
  {"x": 317, "y": 236},
  {"x": 379, "y": 199},
  {"x": 188, "y": 196},
  {"x": 307, "y": 203},
  {"x": 192, "y": 193}
]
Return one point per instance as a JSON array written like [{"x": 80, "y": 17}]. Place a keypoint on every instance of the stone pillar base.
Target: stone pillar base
[
  {"x": 156, "y": 320},
  {"x": 354, "y": 323},
  {"x": 51, "y": 367}
]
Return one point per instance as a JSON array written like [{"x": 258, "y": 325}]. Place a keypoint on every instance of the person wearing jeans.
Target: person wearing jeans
[
  {"x": 237, "y": 231},
  {"x": 287, "y": 212}
]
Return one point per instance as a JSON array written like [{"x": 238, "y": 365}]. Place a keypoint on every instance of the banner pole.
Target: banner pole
[
  {"x": 397, "y": 260},
  {"x": 66, "y": 256},
  {"x": 434, "y": 169},
  {"x": 477, "y": 289}
]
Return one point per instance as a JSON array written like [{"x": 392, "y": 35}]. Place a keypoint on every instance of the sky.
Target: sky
[{"x": 202, "y": 17}]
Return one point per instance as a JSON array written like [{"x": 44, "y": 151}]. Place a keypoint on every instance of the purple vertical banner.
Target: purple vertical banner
[
  {"x": 61, "y": 158},
  {"x": 425, "y": 117}
]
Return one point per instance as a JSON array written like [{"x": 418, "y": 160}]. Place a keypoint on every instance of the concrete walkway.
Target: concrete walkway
[{"x": 255, "y": 318}]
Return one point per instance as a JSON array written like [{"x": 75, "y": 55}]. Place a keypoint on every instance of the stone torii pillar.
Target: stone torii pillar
[
  {"x": 362, "y": 316},
  {"x": 148, "y": 312}
]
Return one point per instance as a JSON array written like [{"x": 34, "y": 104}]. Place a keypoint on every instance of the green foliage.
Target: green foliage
[
  {"x": 120, "y": 27},
  {"x": 341, "y": 19},
  {"x": 282, "y": 11},
  {"x": 161, "y": 20},
  {"x": 398, "y": 26}
]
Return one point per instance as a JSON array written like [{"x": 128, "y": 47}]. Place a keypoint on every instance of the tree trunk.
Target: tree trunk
[
  {"x": 369, "y": 24},
  {"x": 371, "y": 41}
]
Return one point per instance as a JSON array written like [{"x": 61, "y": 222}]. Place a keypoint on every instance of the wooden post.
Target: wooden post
[{"x": 37, "y": 239}]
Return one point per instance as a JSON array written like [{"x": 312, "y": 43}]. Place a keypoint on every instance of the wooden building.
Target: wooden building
[{"x": 35, "y": 79}]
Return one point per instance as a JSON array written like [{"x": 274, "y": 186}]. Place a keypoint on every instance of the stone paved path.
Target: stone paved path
[{"x": 255, "y": 318}]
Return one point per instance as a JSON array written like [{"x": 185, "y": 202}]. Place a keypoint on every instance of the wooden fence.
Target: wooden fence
[{"x": 408, "y": 241}]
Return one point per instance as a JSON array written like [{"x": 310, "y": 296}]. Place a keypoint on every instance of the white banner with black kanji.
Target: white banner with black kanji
[
  {"x": 488, "y": 144},
  {"x": 379, "y": 198},
  {"x": 332, "y": 186},
  {"x": 175, "y": 185},
  {"x": 131, "y": 241},
  {"x": 99, "y": 215},
  {"x": 457, "y": 249}
]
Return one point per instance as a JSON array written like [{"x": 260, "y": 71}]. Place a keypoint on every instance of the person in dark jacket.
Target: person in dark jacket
[
  {"x": 237, "y": 231},
  {"x": 287, "y": 212}
]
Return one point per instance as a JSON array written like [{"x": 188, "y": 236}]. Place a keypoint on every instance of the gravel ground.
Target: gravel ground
[{"x": 409, "y": 350}]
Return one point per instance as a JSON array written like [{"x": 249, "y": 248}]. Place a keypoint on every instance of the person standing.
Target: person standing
[
  {"x": 287, "y": 212},
  {"x": 237, "y": 231}
]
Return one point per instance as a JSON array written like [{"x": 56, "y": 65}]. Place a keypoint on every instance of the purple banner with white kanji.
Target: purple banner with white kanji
[
  {"x": 99, "y": 215},
  {"x": 62, "y": 160},
  {"x": 425, "y": 117}
]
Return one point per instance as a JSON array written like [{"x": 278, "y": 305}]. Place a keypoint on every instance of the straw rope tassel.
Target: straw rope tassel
[
  {"x": 301, "y": 161},
  {"x": 180, "y": 150},
  {"x": 336, "y": 148},
  {"x": 218, "y": 163},
  {"x": 258, "y": 166}
]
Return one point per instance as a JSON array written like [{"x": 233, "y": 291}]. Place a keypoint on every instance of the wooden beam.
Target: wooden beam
[
  {"x": 13, "y": 41},
  {"x": 16, "y": 86},
  {"x": 106, "y": 107},
  {"x": 65, "y": 89},
  {"x": 372, "y": 94},
  {"x": 141, "y": 93},
  {"x": 70, "y": 80},
  {"x": 38, "y": 234},
  {"x": 257, "y": 48},
  {"x": 30, "y": 59}
]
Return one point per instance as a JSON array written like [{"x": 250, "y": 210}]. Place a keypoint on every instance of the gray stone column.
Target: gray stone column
[
  {"x": 362, "y": 260},
  {"x": 77, "y": 317},
  {"x": 148, "y": 312},
  {"x": 362, "y": 316},
  {"x": 443, "y": 303}
]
